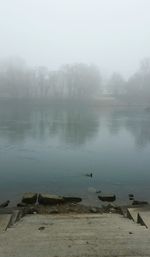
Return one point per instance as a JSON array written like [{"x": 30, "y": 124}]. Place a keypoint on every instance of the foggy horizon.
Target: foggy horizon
[
  {"x": 14, "y": 61},
  {"x": 114, "y": 35},
  {"x": 74, "y": 128}
]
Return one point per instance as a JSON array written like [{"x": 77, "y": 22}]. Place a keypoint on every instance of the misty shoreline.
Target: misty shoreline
[{"x": 103, "y": 102}]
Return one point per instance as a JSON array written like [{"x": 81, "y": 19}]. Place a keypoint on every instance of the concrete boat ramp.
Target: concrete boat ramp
[{"x": 74, "y": 235}]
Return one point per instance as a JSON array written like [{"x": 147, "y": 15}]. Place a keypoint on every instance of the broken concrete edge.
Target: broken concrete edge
[
  {"x": 122, "y": 209},
  {"x": 71, "y": 199},
  {"x": 129, "y": 216},
  {"x": 29, "y": 198},
  {"x": 70, "y": 208},
  {"x": 15, "y": 217},
  {"x": 46, "y": 199},
  {"x": 107, "y": 197},
  {"x": 125, "y": 212},
  {"x": 135, "y": 213},
  {"x": 141, "y": 221},
  {"x": 135, "y": 202},
  {"x": 12, "y": 215}
]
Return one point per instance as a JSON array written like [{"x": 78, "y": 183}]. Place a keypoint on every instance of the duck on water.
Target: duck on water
[{"x": 89, "y": 175}]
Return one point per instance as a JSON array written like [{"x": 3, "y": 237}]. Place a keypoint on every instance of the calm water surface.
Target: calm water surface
[{"x": 51, "y": 148}]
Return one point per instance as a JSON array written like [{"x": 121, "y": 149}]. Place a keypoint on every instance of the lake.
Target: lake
[{"x": 50, "y": 148}]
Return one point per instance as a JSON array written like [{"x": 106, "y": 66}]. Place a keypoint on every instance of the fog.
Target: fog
[
  {"x": 92, "y": 50},
  {"x": 79, "y": 82},
  {"x": 75, "y": 98},
  {"x": 114, "y": 35}
]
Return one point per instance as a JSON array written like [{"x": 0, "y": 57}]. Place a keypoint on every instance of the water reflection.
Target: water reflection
[
  {"x": 73, "y": 125},
  {"x": 34, "y": 152},
  {"x": 135, "y": 120}
]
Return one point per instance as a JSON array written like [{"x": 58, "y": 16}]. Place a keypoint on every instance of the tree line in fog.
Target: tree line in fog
[{"x": 76, "y": 81}]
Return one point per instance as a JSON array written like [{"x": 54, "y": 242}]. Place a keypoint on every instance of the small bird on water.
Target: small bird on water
[{"x": 89, "y": 175}]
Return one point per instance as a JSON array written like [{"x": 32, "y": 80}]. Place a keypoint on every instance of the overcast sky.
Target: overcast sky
[{"x": 114, "y": 34}]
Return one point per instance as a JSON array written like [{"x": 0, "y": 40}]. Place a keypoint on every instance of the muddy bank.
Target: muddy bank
[
  {"x": 39, "y": 203},
  {"x": 69, "y": 208}
]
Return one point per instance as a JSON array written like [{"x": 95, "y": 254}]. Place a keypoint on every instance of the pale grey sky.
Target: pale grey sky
[{"x": 114, "y": 34}]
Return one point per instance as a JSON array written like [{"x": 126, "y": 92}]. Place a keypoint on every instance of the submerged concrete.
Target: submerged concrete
[
  {"x": 29, "y": 198},
  {"x": 75, "y": 235}
]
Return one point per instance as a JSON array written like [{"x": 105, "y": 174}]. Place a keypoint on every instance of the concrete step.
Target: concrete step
[
  {"x": 16, "y": 216},
  {"x": 4, "y": 221},
  {"x": 132, "y": 213},
  {"x": 8, "y": 217},
  {"x": 144, "y": 218},
  {"x": 75, "y": 235},
  {"x": 140, "y": 215}
]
